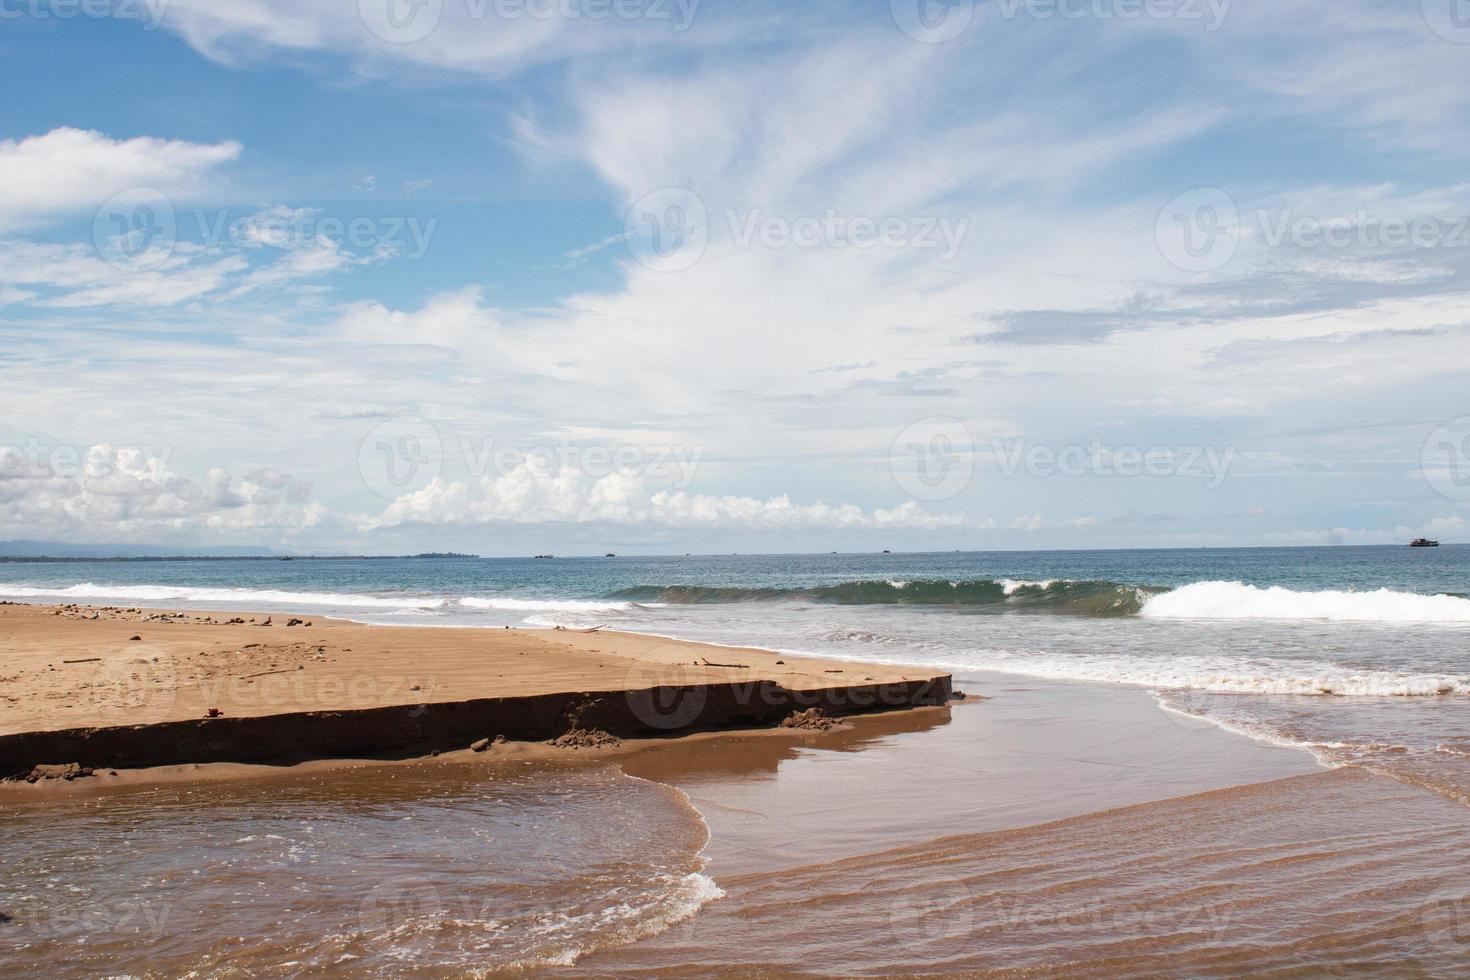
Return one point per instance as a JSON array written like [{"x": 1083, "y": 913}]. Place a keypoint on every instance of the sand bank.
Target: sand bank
[{"x": 125, "y": 687}]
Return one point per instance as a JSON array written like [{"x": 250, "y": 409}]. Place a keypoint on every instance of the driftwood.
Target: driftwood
[
  {"x": 84, "y": 660},
  {"x": 708, "y": 663}
]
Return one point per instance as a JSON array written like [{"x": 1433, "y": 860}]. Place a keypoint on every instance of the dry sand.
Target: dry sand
[{"x": 67, "y": 668}]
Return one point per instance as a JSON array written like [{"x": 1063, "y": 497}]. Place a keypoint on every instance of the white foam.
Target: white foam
[
  {"x": 234, "y": 597},
  {"x": 1221, "y": 675},
  {"x": 1236, "y": 600},
  {"x": 546, "y": 605},
  {"x": 1217, "y": 674},
  {"x": 1010, "y": 586}
]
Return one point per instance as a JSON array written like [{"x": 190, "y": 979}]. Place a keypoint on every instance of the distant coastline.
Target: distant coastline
[{"x": 62, "y": 559}]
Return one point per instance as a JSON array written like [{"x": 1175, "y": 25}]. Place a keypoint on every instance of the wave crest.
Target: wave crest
[
  {"x": 1097, "y": 598},
  {"x": 1236, "y": 600}
]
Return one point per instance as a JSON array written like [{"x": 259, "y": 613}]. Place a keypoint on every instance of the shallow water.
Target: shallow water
[
  {"x": 427, "y": 868},
  {"x": 1119, "y": 679}
]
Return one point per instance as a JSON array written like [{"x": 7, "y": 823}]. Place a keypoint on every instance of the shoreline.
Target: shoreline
[{"x": 128, "y": 687}]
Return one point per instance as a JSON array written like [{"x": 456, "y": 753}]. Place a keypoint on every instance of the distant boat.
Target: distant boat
[
  {"x": 1423, "y": 543},
  {"x": 609, "y": 555},
  {"x": 543, "y": 556}
]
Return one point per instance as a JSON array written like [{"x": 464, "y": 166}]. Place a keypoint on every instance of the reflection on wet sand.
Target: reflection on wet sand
[
  {"x": 703, "y": 757},
  {"x": 1054, "y": 827},
  {"x": 1336, "y": 867}
]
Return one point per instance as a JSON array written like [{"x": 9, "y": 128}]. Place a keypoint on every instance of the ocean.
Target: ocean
[
  {"x": 1357, "y": 654},
  {"x": 1141, "y": 670}
]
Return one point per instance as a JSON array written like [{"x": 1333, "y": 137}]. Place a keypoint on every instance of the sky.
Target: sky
[{"x": 667, "y": 276}]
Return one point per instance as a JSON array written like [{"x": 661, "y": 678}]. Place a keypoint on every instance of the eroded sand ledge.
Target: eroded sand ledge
[{"x": 122, "y": 687}]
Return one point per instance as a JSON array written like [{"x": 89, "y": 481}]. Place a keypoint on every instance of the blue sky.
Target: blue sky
[{"x": 725, "y": 276}]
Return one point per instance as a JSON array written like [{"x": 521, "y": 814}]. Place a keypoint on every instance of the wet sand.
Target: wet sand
[
  {"x": 1055, "y": 828},
  {"x": 1065, "y": 830}
]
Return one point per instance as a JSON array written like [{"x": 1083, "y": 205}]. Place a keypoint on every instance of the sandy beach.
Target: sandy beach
[{"x": 126, "y": 687}]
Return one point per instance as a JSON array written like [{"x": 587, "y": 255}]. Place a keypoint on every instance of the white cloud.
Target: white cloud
[
  {"x": 68, "y": 170},
  {"x": 535, "y": 494},
  {"x": 126, "y": 491}
]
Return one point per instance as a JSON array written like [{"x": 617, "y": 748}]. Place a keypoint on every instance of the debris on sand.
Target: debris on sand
[
  {"x": 585, "y": 738},
  {"x": 67, "y": 771},
  {"x": 811, "y": 720}
]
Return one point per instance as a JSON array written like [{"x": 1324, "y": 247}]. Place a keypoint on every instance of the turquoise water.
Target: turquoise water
[
  {"x": 1356, "y": 654},
  {"x": 1421, "y": 570}
]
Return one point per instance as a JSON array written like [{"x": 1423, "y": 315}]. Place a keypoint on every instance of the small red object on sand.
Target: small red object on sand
[{"x": 213, "y": 713}]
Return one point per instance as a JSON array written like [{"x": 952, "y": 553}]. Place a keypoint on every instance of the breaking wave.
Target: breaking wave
[
  {"x": 545, "y": 605},
  {"x": 1198, "y": 600},
  {"x": 1212, "y": 600},
  {"x": 1236, "y": 600},
  {"x": 241, "y": 598},
  {"x": 1096, "y": 598}
]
